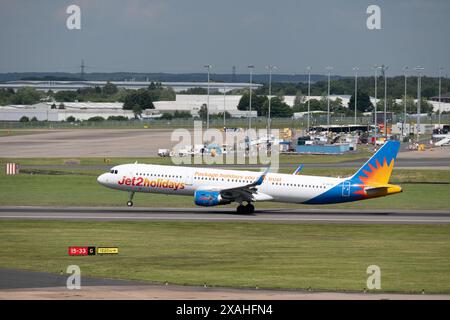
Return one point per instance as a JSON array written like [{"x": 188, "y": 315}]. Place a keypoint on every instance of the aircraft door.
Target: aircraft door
[
  {"x": 189, "y": 179},
  {"x": 346, "y": 189}
]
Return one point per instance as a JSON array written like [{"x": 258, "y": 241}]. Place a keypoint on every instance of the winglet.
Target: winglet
[
  {"x": 300, "y": 167},
  {"x": 260, "y": 180}
]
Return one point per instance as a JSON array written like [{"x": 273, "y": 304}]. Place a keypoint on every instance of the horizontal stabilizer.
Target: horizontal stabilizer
[{"x": 381, "y": 189}]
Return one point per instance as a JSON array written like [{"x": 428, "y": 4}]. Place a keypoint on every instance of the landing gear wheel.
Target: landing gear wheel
[
  {"x": 130, "y": 199},
  {"x": 249, "y": 208}
]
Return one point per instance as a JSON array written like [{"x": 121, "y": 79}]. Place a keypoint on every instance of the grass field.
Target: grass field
[
  {"x": 80, "y": 188},
  {"x": 412, "y": 258},
  {"x": 265, "y": 255}
]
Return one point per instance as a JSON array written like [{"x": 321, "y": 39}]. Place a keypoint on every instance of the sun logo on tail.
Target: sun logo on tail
[{"x": 373, "y": 175}]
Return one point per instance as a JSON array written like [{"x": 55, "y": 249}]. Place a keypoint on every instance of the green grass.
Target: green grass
[
  {"x": 82, "y": 189},
  {"x": 266, "y": 255}
]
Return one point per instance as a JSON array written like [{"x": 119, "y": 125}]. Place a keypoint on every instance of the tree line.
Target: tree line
[
  {"x": 141, "y": 99},
  {"x": 346, "y": 86}
]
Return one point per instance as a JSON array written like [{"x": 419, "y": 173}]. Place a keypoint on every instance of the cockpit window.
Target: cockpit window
[{"x": 113, "y": 171}]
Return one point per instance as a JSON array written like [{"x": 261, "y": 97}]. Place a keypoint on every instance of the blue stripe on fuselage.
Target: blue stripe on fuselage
[{"x": 337, "y": 194}]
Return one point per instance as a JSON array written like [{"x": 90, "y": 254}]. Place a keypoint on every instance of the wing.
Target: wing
[{"x": 244, "y": 193}]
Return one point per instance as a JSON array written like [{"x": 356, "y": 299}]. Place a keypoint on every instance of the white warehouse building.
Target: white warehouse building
[
  {"x": 85, "y": 110},
  {"x": 190, "y": 103}
]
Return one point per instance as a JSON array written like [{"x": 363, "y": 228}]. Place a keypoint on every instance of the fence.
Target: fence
[{"x": 260, "y": 122}]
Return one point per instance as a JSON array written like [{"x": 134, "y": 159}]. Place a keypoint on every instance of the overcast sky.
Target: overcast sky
[{"x": 183, "y": 35}]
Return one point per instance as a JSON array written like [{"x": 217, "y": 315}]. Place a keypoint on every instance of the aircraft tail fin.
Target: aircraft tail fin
[{"x": 377, "y": 170}]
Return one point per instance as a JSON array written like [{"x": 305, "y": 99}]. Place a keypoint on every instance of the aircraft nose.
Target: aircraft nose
[{"x": 102, "y": 178}]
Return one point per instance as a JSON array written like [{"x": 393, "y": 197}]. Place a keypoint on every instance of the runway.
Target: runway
[{"x": 226, "y": 215}]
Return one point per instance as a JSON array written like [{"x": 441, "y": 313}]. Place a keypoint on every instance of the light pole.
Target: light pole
[
  {"x": 328, "y": 97},
  {"x": 356, "y": 89},
  {"x": 224, "y": 95},
  {"x": 439, "y": 115},
  {"x": 250, "y": 98},
  {"x": 404, "y": 111},
  {"x": 385, "y": 100},
  {"x": 375, "y": 105},
  {"x": 270, "y": 67},
  {"x": 419, "y": 97},
  {"x": 309, "y": 97},
  {"x": 208, "y": 66},
  {"x": 375, "y": 122}
]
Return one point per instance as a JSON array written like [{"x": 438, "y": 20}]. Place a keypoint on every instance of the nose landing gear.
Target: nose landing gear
[{"x": 130, "y": 199}]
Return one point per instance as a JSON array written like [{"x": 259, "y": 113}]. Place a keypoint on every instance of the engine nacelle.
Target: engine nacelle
[{"x": 208, "y": 198}]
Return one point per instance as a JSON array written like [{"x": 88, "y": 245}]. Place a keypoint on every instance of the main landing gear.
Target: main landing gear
[
  {"x": 248, "y": 209},
  {"x": 130, "y": 199}
]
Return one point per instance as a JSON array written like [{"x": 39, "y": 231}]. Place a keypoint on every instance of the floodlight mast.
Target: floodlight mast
[
  {"x": 309, "y": 98},
  {"x": 419, "y": 70},
  {"x": 356, "y": 90},
  {"x": 208, "y": 66},
  {"x": 329, "y": 68},
  {"x": 251, "y": 67}
]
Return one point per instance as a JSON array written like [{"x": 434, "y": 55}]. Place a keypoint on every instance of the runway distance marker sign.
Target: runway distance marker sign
[
  {"x": 81, "y": 251},
  {"x": 107, "y": 250}
]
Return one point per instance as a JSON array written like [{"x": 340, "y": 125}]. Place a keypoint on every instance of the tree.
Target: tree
[
  {"x": 203, "y": 112},
  {"x": 167, "y": 116},
  {"x": 196, "y": 90},
  {"x": 117, "y": 118},
  {"x": 70, "y": 119},
  {"x": 141, "y": 98},
  {"x": 391, "y": 106},
  {"x": 27, "y": 96},
  {"x": 182, "y": 114},
  {"x": 425, "y": 106},
  {"x": 6, "y": 96},
  {"x": 34, "y": 119},
  {"x": 410, "y": 105},
  {"x": 318, "y": 105},
  {"x": 109, "y": 89},
  {"x": 96, "y": 118},
  {"x": 299, "y": 100},
  {"x": 278, "y": 109},
  {"x": 364, "y": 103},
  {"x": 66, "y": 96},
  {"x": 227, "y": 115},
  {"x": 257, "y": 102},
  {"x": 24, "y": 119},
  {"x": 335, "y": 104},
  {"x": 137, "y": 111}
]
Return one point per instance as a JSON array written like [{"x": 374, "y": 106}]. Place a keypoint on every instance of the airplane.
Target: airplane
[{"x": 211, "y": 187}]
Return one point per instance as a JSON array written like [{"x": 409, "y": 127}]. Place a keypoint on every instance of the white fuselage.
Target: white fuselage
[{"x": 178, "y": 180}]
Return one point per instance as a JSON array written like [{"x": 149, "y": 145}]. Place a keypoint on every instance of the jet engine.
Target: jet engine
[{"x": 209, "y": 198}]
